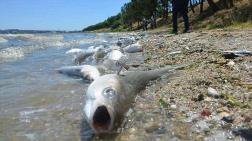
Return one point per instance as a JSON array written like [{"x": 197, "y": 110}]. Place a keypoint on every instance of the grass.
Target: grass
[
  {"x": 240, "y": 25},
  {"x": 238, "y": 17},
  {"x": 232, "y": 101}
]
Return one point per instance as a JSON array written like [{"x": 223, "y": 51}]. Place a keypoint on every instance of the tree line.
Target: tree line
[{"x": 135, "y": 11}]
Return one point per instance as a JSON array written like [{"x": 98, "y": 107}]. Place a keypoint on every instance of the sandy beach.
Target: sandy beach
[{"x": 209, "y": 100}]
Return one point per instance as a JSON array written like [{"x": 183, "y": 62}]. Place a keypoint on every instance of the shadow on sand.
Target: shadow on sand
[{"x": 245, "y": 133}]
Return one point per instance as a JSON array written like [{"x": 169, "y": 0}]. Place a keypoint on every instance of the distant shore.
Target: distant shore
[{"x": 19, "y": 31}]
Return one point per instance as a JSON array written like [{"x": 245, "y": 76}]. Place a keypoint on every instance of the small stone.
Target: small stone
[
  {"x": 156, "y": 110},
  {"x": 228, "y": 119},
  {"x": 130, "y": 111},
  {"x": 199, "y": 138},
  {"x": 231, "y": 63},
  {"x": 224, "y": 114},
  {"x": 151, "y": 128},
  {"x": 202, "y": 125},
  {"x": 173, "y": 106},
  {"x": 172, "y": 100},
  {"x": 227, "y": 126},
  {"x": 238, "y": 120},
  {"x": 132, "y": 130},
  {"x": 170, "y": 115},
  {"x": 209, "y": 99},
  {"x": 160, "y": 130},
  {"x": 212, "y": 92},
  {"x": 200, "y": 97},
  {"x": 205, "y": 112},
  {"x": 222, "y": 109},
  {"x": 247, "y": 119}
]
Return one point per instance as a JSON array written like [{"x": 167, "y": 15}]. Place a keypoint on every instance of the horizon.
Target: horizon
[
  {"x": 38, "y": 30},
  {"x": 57, "y": 15}
]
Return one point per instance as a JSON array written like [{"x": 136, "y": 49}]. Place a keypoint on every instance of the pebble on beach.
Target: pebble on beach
[{"x": 212, "y": 92}]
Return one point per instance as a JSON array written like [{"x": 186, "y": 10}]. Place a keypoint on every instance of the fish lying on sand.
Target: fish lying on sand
[
  {"x": 236, "y": 53},
  {"x": 91, "y": 72},
  {"x": 133, "y": 48},
  {"x": 110, "y": 96},
  {"x": 79, "y": 55}
]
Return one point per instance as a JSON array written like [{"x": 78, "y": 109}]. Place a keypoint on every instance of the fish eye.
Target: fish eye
[{"x": 109, "y": 92}]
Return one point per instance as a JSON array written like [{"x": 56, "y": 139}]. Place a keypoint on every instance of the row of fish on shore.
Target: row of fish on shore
[
  {"x": 104, "y": 59},
  {"x": 111, "y": 92}
]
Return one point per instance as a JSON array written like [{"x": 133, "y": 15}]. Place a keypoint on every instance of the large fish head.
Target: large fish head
[{"x": 102, "y": 103}]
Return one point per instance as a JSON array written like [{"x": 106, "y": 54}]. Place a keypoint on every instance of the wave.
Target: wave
[
  {"x": 27, "y": 115},
  {"x": 11, "y": 53},
  {"x": 47, "y": 38},
  {"x": 2, "y": 40},
  {"x": 21, "y": 44},
  {"x": 16, "y": 52},
  {"x": 51, "y": 39},
  {"x": 33, "y": 37},
  {"x": 93, "y": 40}
]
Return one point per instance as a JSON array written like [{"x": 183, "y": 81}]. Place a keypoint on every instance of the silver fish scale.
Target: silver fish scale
[{"x": 122, "y": 61}]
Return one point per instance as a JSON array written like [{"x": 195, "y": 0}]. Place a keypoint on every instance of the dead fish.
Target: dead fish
[
  {"x": 237, "y": 53},
  {"x": 89, "y": 72},
  {"x": 99, "y": 54},
  {"x": 133, "y": 48},
  {"x": 110, "y": 96},
  {"x": 79, "y": 55},
  {"x": 86, "y": 72}
]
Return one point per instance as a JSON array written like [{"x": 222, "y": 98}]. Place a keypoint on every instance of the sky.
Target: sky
[{"x": 56, "y": 14}]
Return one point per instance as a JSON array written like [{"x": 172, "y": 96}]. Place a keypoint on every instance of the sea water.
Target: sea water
[{"x": 37, "y": 103}]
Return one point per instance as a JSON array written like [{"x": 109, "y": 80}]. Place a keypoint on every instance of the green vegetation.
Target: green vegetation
[
  {"x": 219, "y": 14},
  {"x": 112, "y": 22},
  {"x": 232, "y": 101},
  {"x": 163, "y": 104},
  {"x": 133, "y": 12}
]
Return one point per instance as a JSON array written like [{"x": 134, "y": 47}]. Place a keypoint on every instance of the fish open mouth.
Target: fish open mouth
[{"x": 101, "y": 118}]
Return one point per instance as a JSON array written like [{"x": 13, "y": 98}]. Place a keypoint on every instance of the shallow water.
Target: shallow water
[{"x": 36, "y": 103}]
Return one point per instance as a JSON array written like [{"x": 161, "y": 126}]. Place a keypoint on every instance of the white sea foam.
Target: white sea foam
[
  {"x": 26, "y": 116},
  {"x": 75, "y": 51},
  {"x": 20, "y": 35},
  {"x": 45, "y": 38},
  {"x": 2, "y": 40},
  {"x": 11, "y": 53},
  {"x": 92, "y": 40},
  {"x": 29, "y": 112},
  {"x": 33, "y": 42}
]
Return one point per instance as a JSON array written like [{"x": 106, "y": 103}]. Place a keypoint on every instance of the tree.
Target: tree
[
  {"x": 212, "y": 5},
  {"x": 227, "y": 3},
  {"x": 164, "y": 5},
  {"x": 201, "y": 6}
]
